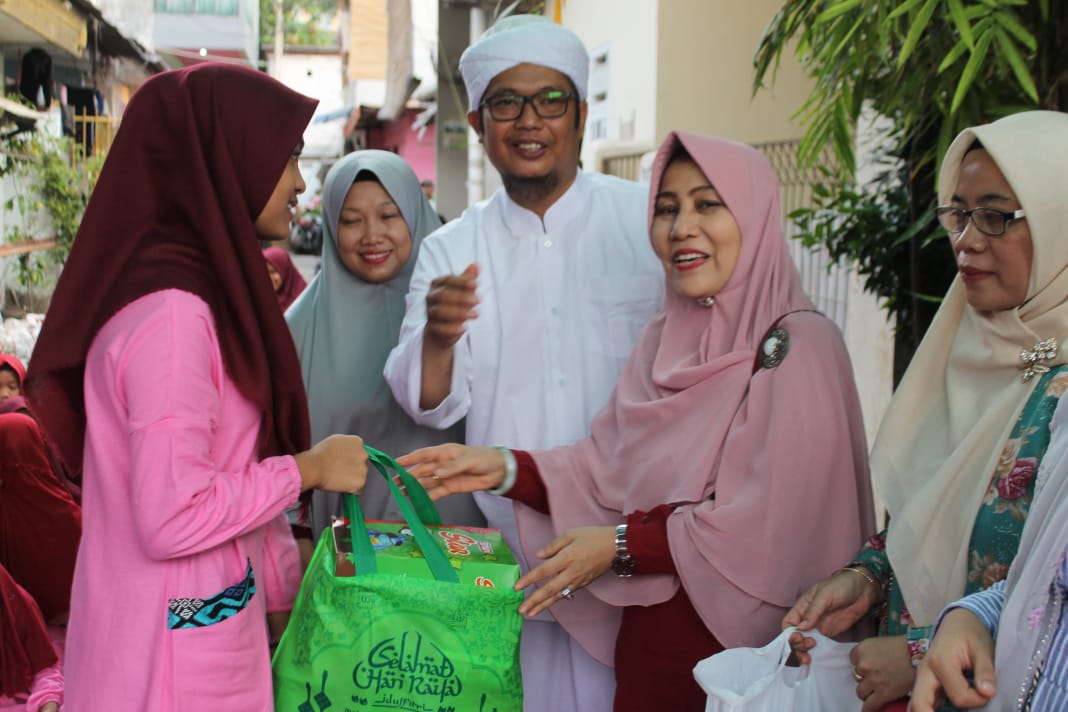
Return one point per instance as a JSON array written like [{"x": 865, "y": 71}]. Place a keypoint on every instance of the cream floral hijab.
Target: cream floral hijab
[{"x": 945, "y": 433}]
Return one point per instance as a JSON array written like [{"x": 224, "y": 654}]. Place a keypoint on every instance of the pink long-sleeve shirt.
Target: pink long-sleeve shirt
[
  {"x": 47, "y": 686},
  {"x": 175, "y": 506}
]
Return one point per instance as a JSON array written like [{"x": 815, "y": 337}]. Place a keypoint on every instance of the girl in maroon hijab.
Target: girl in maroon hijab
[
  {"x": 165, "y": 371},
  {"x": 285, "y": 277}
]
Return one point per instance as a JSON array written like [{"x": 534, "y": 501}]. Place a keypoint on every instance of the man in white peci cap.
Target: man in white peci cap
[{"x": 522, "y": 312}]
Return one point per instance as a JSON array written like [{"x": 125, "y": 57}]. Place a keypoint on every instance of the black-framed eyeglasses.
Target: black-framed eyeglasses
[
  {"x": 988, "y": 221},
  {"x": 548, "y": 104}
]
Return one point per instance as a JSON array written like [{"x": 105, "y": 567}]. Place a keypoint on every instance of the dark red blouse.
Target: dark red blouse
[{"x": 658, "y": 645}]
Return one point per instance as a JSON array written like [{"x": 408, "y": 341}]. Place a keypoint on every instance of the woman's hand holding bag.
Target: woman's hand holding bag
[{"x": 758, "y": 679}]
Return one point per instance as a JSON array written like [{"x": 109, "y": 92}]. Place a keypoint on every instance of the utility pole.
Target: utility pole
[{"x": 475, "y": 178}]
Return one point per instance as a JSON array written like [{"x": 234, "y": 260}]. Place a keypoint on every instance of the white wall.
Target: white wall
[
  {"x": 316, "y": 75},
  {"x": 195, "y": 31},
  {"x": 134, "y": 18},
  {"x": 425, "y": 39},
  {"x": 625, "y": 30},
  {"x": 705, "y": 72}
]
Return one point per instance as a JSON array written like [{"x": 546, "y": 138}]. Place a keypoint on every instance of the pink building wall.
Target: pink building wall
[{"x": 397, "y": 136}]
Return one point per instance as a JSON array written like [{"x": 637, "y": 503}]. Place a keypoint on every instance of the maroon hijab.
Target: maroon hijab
[
  {"x": 25, "y": 648},
  {"x": 196, "y": 158},
  {"x": 40, "y": 524},
  {"x": 292, "y": 281}
]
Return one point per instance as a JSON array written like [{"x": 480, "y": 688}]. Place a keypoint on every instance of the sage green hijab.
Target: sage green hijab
[{"x": 344, "y": 329}]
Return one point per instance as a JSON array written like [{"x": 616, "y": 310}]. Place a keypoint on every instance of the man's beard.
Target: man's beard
[{"x": 525, "y": 190}]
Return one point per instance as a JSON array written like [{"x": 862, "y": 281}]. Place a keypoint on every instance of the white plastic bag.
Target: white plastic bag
[{"x": 758, "y": 680}]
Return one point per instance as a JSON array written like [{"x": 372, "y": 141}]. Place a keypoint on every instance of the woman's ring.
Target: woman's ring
[
  {"x": 856, "y": 675},
  {"x": 567, "y": 593}
]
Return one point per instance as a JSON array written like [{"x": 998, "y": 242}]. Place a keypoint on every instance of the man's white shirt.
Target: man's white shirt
[{"x": 561, "y": 304}]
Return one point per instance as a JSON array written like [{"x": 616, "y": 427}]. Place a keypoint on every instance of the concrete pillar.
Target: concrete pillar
[{"x": 475, "y": 173}]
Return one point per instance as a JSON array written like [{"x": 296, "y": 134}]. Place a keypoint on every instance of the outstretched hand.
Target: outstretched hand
[
  {"x": 573, "y": 561},
  {"x": 451, "y": 468}
]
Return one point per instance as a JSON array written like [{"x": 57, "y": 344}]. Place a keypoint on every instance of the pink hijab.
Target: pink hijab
[{"x": 767, "y": 471}]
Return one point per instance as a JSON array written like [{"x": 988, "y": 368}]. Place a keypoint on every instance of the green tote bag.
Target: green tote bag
[{"x": 377, "y": 641}]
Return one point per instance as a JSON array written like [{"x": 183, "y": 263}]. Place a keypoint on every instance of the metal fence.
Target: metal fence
[
  {"x": 825, "y": 280},
  {"x": 93, "y": 135},
  {"x": 627, "y": 165}
]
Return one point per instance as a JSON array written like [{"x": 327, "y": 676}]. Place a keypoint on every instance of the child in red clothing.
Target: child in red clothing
[{"x": 30, "y": 674}]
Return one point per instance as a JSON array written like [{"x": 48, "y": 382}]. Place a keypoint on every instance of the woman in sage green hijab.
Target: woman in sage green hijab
[{"x": 347, "y": 320}]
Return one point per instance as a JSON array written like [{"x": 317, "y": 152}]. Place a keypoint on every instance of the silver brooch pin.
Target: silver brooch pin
[
  {"x": 774, "y": 348},
  {"x": 1032, "y": 358}
]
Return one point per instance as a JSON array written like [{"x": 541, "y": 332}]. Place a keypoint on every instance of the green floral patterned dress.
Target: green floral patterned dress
[{"x": 996, "y": 534}]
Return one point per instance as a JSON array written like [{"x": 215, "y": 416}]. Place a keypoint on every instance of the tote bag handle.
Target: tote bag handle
[{"x": 415, "y": 517}]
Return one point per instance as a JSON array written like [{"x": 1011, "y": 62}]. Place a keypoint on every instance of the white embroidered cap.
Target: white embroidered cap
[{"x": 523, "y": 39}]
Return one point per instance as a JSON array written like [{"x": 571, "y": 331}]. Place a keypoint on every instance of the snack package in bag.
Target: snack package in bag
[
  {"x": 480, "y": 556},
  {"x": 758, "y": 679},
  {"x": 401, "y": 633}
]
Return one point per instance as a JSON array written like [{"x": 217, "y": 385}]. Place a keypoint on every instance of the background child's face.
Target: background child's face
[
  {"x": 9, "y": 384},
  {"x": 276, "y": 279}
]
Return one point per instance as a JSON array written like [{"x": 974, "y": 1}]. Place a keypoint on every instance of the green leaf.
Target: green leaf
[
  {"x": 916, "y": 30},
  {"x": 903, "y": 8},
  {"x": 1016, "y": 62},
  {"x": 952, "y": 56},
  {"x": 915, "y": 228},
  {"x": 1009, "y": 22},
  {"x": 971, "y": 69},
  {"x": 837, "y": 10},
  {"x": 843, "y": 138},
  {"x": 840, "y": 48},
  {"x": 956, "y": 11},
  {"x": 924, "y": 297}
]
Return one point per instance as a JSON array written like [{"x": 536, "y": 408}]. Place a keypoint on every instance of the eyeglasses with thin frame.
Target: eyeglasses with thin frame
[
  {"x": 989, "y": 221},
  {"x": 548, "y": 104}
]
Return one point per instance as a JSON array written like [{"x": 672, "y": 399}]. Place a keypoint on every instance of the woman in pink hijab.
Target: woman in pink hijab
[{"x": 727, "y": 472}]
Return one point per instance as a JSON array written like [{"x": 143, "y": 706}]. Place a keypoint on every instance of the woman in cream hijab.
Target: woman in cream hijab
[
  {"x": 347, "y": 319},
  {"x": 957, "y": 452}
]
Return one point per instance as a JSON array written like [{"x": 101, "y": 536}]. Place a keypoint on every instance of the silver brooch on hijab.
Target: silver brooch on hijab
[
  {"x": 1032, "y": 358},
  {"x": 706, "y": 301},
  {"x": 774, "y": 348}
]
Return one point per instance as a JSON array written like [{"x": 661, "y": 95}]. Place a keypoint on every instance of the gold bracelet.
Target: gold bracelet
[{"x": 863, "y": 574}]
